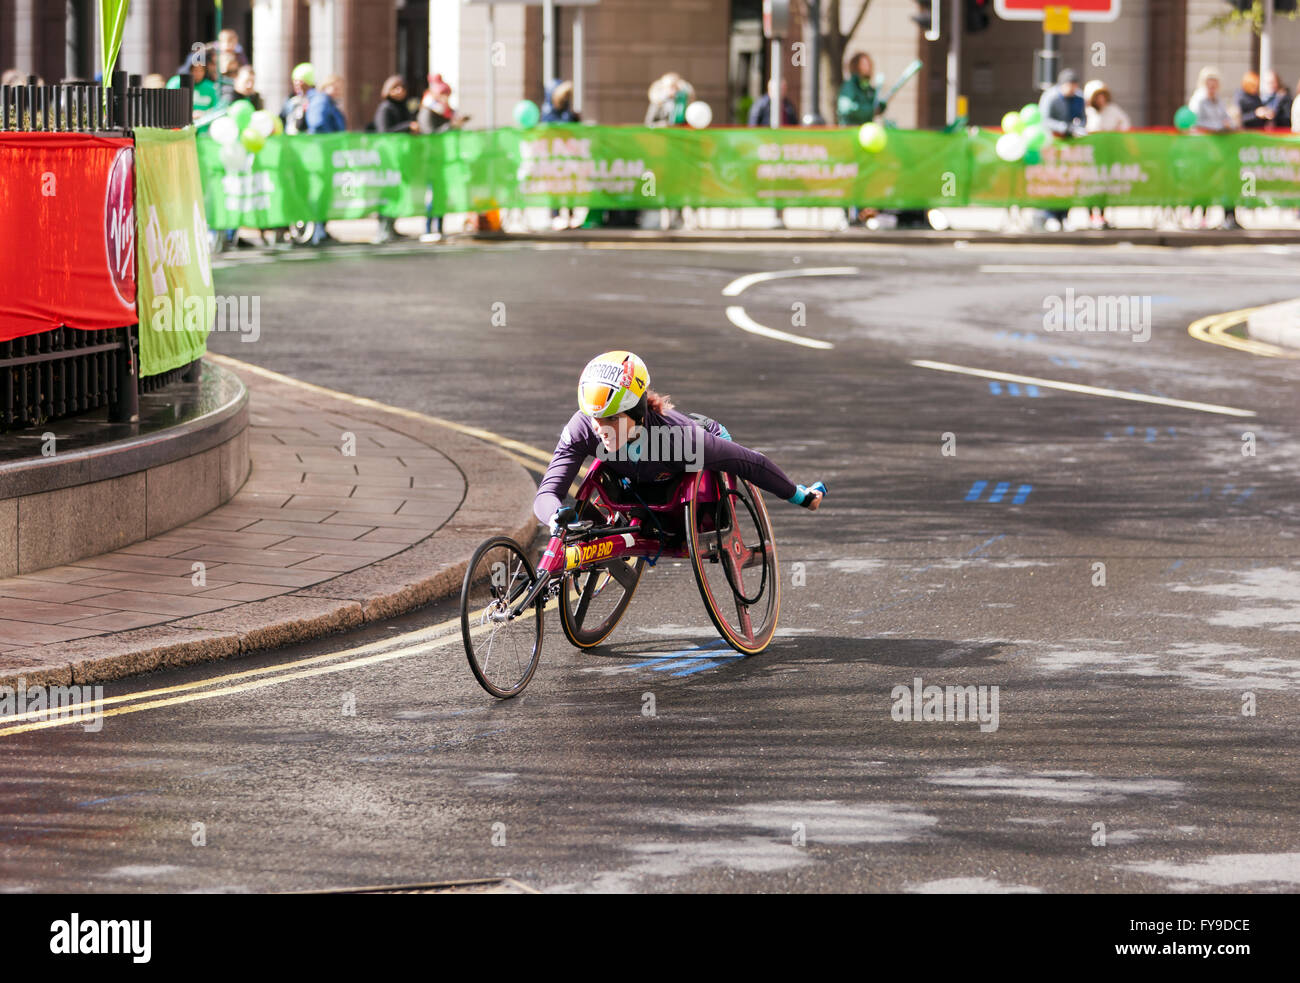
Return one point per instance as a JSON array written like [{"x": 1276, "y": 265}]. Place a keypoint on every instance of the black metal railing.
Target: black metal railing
[
  {"x": 82, "y": 107},
  {"x": 65, "y": 370}
]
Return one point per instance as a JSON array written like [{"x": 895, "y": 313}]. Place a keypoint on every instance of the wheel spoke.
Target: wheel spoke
[
  {"x": 584, "y": 598},
  {"x": 624, "y": 573}
]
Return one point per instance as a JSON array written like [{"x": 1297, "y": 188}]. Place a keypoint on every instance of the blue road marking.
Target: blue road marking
[
  {"x": 1244, "y": 495},
  {"x": 995, "y": 388},
  {"x": 976, "y": 490},
  {"x": 1021, "y": 494},
  {"x": 702, "y": 667},
  {"x": 1151, "y": 434},
  {"x": 699, "y": 651},
  {"x": 982, "y": 546},
  {"x": 1130, "y": 431},
  {"x": 1013, "y": 389},
  {"x": 1033, "y": 391},
  {"x": 999, "y": 491}
]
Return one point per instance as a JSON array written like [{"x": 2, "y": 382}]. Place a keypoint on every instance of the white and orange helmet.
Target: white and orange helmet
[{"x": 612, "y": 383}]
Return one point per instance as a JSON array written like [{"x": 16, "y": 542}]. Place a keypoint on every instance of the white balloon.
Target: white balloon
[
  {"x": 699, "y": 115},
  {"x": 224, "y": 130},
  {"x": 1010, "y": 147},
  {"x": 235, "y": 158},
  {"x": 263, "y": 122}
]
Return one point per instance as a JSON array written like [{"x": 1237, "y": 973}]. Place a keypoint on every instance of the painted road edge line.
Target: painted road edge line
[
  {"x": 737, "y": 316},
  {"x": 1075, "y": 387},
  {"x": 738, "y": 286},
  {"x": 1214, "y": 329}
]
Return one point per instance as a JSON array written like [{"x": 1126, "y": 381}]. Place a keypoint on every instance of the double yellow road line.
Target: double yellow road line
[{"x": 1214, "y": 329}]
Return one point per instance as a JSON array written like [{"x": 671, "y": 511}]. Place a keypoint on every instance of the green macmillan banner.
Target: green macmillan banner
[
  {"x": 347, "y": 175},
  {"x": 175, "y": 301},
  {"x": 1248, "y": 170}
]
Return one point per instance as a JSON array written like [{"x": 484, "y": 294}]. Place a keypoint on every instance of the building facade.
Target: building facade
[{"x": 492, "y": 53}]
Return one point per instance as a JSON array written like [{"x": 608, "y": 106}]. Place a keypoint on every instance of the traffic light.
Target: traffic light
[
  {"x": 977, "y": 16},
  {"x": 922, "y": 15}
]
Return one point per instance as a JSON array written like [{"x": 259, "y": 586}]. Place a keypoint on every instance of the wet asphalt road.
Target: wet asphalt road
[{"x": 1121, "y": 760}]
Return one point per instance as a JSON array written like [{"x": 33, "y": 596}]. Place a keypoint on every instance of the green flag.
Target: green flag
[{"x": 112, "y": 22}]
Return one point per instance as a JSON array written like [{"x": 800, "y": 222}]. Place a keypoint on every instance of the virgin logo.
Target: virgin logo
[{"x": 119, "y": 225}]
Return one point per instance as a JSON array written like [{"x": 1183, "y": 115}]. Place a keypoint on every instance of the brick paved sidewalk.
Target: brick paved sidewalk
[{"x": 316, "y": 540}]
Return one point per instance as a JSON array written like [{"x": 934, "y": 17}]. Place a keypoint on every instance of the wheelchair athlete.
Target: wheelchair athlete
[{"x": 627, "y": 425}]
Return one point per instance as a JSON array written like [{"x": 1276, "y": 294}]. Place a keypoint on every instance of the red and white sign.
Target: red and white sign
[
  {"x": 1080, "y": 10},
  {"x": 67, "y": 232}
]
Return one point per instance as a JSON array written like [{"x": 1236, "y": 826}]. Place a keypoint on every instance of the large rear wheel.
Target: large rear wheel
[{"x": 733, "y": 554}]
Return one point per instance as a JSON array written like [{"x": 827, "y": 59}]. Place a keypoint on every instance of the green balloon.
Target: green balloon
[
  {"x": 1030, "y": 114},
  {"x": 1012, "y": 123},
  {"x": 1035, "y": 136},
  {"x": 527, "y": 114},
  {"x": 1185, "y": 118},
  {"x": 1032, "y": 157},
  {"x": 252, "y": 140},
  {"x": 872, "y": 137},
  {"x": 241, "y": 111}
]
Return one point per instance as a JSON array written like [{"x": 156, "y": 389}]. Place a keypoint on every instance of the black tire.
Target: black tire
[
  {"x": 714, "y": 545},
  {"x": 517, "y": 643},
  {"x": 586, "y": 587}
]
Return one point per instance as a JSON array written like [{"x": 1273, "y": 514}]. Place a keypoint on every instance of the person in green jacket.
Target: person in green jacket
[
  {"x": 858, "y": 101},
  {"x": 205, "y": 90}
]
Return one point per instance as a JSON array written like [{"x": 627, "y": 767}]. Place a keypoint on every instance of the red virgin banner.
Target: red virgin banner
[{"x": 67, "y": 232}]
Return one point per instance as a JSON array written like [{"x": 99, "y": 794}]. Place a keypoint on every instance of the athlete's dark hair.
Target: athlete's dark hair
[{"x": 658, "y": 403}]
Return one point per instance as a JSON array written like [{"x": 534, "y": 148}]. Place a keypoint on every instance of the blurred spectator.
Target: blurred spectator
[
  {"x": 557, "y": 107},
  {"x": 1251, "y": 110},
  {"x": 557, "y": 104},
  {"x": 205, "y": 92},
  {"x": 669, "y": 96},
  {"x": 154, "y": 81},
  {"x": 294, "y": 111},
  {"x": 324, "y": 116},
  {"x": 1064, "y": 115},
  {"x": 1063, "y": 108},
  {"x": 12, "y": 76},
  {"x": 1104, "y": 116},
  {"x": 760, "y": 114},
  {"x": 1212, "y": 116},
  {"x": 227, "y": 43},
  {"x": 1277, "y": 99},
  {"x": 392, "y": 115},
  {"x": 323, "y": 113},
  {"x": 245, "y": 86},
  {"x": 1295, "y": 111},
  {"x": 436, "y": 116},
  {"x": 227, "y": 68},
  {"x": 858, "y": 101}
]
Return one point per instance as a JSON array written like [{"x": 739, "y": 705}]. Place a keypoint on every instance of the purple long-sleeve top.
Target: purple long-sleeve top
[{"x": 672, "y": 444}]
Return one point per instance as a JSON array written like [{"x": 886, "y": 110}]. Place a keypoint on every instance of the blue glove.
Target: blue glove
[{"x": 803, "y": 495}]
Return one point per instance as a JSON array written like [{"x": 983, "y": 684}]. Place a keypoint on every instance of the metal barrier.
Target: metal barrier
[{"x": 67, "y": 370}]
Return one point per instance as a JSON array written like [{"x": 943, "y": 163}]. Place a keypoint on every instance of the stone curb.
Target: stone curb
[
  {"x": 1276, "y": 324},
  {"x": 498, "y": 500}
]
